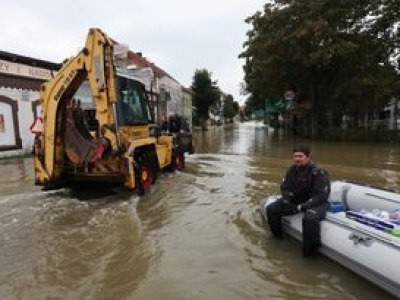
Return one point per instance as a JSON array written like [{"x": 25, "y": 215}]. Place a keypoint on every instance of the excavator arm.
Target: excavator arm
[{"x": 93, "y": 63}]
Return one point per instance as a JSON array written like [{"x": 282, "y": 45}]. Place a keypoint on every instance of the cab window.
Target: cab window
[{"x": 132, "y": 105}]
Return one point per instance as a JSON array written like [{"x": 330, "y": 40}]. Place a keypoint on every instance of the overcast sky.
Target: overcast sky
[{"x": 179, "y": 36}]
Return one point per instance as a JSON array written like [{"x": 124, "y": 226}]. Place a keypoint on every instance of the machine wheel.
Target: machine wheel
[{"x": 144, "y": 176}]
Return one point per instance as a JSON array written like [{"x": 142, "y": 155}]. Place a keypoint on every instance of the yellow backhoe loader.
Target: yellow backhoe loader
[{"x": 97, "y": 125}]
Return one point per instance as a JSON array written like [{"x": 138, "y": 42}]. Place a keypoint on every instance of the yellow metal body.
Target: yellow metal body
[{"x": 95, "y": 64}]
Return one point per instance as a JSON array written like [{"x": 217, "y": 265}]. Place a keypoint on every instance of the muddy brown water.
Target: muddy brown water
[{"x": 196, "y": 234}]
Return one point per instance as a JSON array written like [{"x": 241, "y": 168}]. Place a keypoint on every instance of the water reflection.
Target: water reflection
[
  {"x": 197, "y": 234},
  {"x": 73, "y": 249},
  {"x": 280, "y": 265},
  {"x": 16, "y": 175}
]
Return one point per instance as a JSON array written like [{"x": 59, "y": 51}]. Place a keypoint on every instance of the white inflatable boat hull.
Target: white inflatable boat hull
[{"x": 372, "y": 253}]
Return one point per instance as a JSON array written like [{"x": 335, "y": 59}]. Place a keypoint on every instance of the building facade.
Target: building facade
[
  {"x": 187, "y": 106},
  {"x": 168, "y": 94},
  {"x": 21, "y": 78},
  {"x": 20, "y": 81}
]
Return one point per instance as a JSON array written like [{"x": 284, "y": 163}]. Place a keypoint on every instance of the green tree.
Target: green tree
[
  {"x": 236, "y": 108},
  {"x": 205, "y": 93},
  {"x": 229, "y": 108},
  {"x": 338, "y": 55}
]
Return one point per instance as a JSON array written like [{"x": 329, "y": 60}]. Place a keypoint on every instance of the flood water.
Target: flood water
[{"x": 197, "y": 234}]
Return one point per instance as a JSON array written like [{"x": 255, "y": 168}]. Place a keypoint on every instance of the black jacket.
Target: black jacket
[{"x": 308, "y": 185}]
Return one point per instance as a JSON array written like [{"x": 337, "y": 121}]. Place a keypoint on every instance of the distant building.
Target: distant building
[
  {"x": 167, "y": 92},
  {"x": 20, "y": 80},
  {"x": 187, "y": 106}
]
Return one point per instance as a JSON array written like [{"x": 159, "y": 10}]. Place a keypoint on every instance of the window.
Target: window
[
  {"x": 2, "y": 126},
  {"x": 132, "y": 106}
]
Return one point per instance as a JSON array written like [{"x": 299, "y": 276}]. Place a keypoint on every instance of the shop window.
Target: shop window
[
  {"x": 2, "y": 125},
  {"x": 9, "y": 125}
]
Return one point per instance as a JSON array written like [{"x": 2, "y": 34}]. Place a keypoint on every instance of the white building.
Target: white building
[
  {"x": 173, "y": 94},
  {"x": 187, "y": 106},
  {"x": 20, "y": 80}
]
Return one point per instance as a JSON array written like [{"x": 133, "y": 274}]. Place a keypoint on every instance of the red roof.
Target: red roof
[{"x": 142, "y": 62}]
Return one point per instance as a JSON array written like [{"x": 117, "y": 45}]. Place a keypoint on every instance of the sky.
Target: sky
[{"x": 179, "y": 36}]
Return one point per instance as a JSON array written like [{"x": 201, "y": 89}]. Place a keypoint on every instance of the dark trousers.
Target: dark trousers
[{"x": 311, "y": 222}]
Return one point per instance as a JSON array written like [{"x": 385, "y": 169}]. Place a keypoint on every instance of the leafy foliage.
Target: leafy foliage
[
  {"x": 206, "y": 92},
  {"x": 231, "y": 108},
  {"x": 342, "y": 56}
]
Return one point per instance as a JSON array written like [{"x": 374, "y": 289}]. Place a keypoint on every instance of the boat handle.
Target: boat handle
[{"x": 360, "y": 239}]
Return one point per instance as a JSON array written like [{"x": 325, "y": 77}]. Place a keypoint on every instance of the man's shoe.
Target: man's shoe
[{"x": 309, "y": 252}]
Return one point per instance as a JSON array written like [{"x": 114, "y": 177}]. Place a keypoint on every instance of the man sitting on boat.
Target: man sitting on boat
[{"x": 305, "y": 188}]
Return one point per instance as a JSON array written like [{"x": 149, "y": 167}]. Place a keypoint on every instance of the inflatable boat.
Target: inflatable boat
[{"x": 361, "y": 231}]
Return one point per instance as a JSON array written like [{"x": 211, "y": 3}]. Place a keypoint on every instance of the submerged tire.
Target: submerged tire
[{"x": 145, "y": 176}]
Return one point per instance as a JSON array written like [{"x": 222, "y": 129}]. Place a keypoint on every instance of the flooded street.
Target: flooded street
[{"x": 197, "y": 234}]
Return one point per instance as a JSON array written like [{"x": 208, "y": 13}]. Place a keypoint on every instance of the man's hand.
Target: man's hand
[
  {"x": 288, "y": 195},
  {"x": 289, "y": 207},
  {"x": 301, "y": 208}
]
